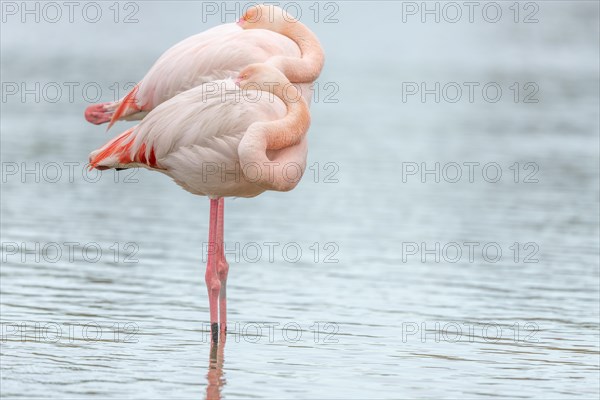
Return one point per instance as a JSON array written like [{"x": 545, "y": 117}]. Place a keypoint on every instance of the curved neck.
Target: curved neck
[
  {"x": 308, "y": 68},
  {"x": 289, "y": 130},
  {"x": 275, "y": 135}
]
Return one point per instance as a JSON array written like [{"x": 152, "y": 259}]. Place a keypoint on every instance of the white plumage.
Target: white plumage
[{"x": 195, "y": 138}]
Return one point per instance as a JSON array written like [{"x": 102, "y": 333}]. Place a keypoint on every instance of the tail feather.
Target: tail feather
[
  {"x": 117, "y": 153},
  {"x": 99, "y": 113},
  {"x": 110, "y": 154},
  {"x": 126, "y": 107}
]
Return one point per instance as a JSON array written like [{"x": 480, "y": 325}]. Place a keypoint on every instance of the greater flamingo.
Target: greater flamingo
[
  {"x": 245, "y": 138},
  {"x": 265, "y": 33}
]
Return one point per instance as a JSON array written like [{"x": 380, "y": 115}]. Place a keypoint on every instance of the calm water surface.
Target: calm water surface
[{"x": 337, "y": 289}]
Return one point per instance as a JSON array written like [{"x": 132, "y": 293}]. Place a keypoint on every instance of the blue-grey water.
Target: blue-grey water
[{"x": 437, "y": 247}]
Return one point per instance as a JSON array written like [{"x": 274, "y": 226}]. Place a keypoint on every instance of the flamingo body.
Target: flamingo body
[
  {"x": 218, "y": 53},
  {"x": 206, "y": 131},
  {"x": 194, "y": 138}
]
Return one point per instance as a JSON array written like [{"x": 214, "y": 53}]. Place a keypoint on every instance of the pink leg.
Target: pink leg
[
  {"x": 212, "y": 279},
  {"x": 222, "y": 267}
]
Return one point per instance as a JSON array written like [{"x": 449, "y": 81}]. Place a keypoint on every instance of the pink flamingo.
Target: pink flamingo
[
  {"x": 243, "y": 139},
  {"x": 264, "y": 34}
]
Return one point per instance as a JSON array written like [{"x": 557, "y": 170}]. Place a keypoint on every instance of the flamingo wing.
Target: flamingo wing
[
  {"x": 192, "y": 134},
  {"x": 218, "y": 53}
]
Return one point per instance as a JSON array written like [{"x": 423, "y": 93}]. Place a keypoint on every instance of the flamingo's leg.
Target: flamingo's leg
[
  {"x": 222, "y": 266},
  {"x": 211, "y": 277}
]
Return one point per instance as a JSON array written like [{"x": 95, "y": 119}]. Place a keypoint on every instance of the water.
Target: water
[{"x": 359, "y": 313}]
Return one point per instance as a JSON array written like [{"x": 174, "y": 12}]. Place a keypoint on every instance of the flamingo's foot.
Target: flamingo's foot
[{"x": 99, "y": 114}]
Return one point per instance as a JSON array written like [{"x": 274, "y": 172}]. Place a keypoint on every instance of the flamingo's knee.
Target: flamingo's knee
[
  {"x": 223, "y": 270},
  {"x": 213, "y": 284}
]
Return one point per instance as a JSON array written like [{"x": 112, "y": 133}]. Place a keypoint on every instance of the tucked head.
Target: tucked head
[
  {"x": 260, "y": 77},
  {"x": 263, "y": 16}
]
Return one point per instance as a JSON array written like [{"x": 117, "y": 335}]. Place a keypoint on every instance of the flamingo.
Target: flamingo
[
  {"x": 247, "y": 137},
  {"x": 265, "y": 33}
]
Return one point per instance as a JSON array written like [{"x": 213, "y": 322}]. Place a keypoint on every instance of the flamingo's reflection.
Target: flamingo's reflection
[{"x": 215, "y": 378}]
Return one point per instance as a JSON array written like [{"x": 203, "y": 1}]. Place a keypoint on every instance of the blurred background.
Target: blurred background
[{"x": 444, "y": 241}]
